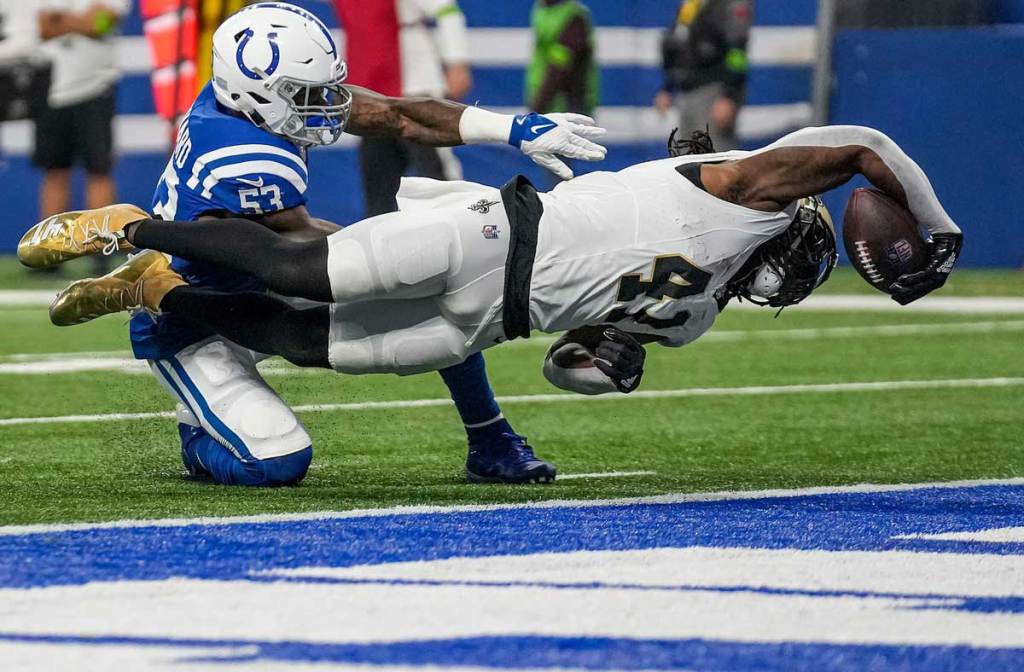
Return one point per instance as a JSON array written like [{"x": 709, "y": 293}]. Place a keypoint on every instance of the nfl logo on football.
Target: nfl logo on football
[
  {"x": 490, "y": 232},
  {"x": 899, "y": 252}
]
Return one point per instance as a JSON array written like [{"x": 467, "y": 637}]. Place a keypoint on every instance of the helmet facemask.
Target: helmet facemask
[
  {"x": 802, "y": 257},
  {"x": 317, "y": 113}
]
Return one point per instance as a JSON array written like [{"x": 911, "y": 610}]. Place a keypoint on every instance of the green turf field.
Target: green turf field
[{"x": 110, "y": 469}]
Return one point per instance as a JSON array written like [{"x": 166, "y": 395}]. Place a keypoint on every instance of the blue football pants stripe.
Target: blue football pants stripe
[{"x": 207, "y": 413}]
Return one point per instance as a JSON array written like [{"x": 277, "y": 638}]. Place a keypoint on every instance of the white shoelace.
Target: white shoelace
[
  {"x": 103, "y": 232},
  {"x": 111, "y": 242}
]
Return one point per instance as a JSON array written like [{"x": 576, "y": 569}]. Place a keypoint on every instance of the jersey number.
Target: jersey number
[
  {"x": 250, "y": 198},
  {"x": 673, "y": 277}
]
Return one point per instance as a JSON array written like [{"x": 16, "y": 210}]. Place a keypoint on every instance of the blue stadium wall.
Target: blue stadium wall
[
  {"x": 952, "y": 99},
  {"x": 1008, "y": 11},
  {"x": 780, "y": 89}
]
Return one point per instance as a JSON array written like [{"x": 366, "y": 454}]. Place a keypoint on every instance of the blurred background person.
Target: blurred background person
[
  {"x": 77, "y": 124},
  {"x": 405, "y": 48},
  {"x": 19, "y": 29},
  {"x": 705, "y": 62},
  {"x": 24, "y": 71},
  {"x": 563, "y": 74}
]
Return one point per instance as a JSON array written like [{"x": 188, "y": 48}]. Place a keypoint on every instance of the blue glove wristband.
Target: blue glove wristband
[{"x": 529, "y": 127}]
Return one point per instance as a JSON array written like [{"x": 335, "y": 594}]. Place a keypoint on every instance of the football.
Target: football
[{"x": 882, "y": 238}]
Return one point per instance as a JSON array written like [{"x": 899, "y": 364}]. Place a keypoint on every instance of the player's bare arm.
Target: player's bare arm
[
  {"x": 443, "y": 123},
  {"x": 424, "y": 120},
  {"x": 774, "y": 179},
  {"x": 814, "y": 160}
]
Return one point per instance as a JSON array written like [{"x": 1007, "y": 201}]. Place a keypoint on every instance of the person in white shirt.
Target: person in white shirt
[
  {"x": 77, "y": 126},
  {"x": 24, "y": 69},
  {"x": 19, "y": 31}
]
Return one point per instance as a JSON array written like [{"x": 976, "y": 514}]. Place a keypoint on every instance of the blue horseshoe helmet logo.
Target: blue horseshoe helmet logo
[{"x": 275, "y": 55}]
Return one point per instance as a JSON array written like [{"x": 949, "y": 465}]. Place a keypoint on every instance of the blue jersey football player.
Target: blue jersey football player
[{"x": 277, "y": 90}]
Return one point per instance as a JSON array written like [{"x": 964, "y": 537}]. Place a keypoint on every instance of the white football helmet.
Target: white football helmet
[{"x": 278, "y": 65}]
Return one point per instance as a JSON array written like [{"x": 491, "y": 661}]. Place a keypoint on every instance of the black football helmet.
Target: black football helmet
[{"x": 801, "y": 258}]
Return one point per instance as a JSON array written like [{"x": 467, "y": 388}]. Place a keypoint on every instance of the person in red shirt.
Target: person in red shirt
[{"x": 405, "y": 48}]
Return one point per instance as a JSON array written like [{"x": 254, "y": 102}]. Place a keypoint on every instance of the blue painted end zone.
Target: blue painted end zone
[
  {"x": 848, "y": 521},
  {"x": 836, "y": 522}
]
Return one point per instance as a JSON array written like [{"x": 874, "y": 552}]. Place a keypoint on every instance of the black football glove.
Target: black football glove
[
  {"x": 620, "y": 357},
  {"x": 943, "y": 252}
]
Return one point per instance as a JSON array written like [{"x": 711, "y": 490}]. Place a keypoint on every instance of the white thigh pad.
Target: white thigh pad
[
  {"x": 431, "y": 345},
  {"x": 348, "y": 267},
  {"x": 218, "y": 382},
  {"x": 394, "y": 256},
  {"x": 416, "y": 254}
]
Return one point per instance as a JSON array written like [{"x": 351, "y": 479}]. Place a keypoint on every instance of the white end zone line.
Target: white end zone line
[
  {"x": 675, "y": 498},
  {"x": 753, "y": 391}
]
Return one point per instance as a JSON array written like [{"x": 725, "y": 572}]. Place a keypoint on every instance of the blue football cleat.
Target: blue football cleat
[{"x": 507, "y": 460}]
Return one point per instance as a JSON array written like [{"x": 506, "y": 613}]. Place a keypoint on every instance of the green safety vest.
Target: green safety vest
[{"x": 548, "y": 23}]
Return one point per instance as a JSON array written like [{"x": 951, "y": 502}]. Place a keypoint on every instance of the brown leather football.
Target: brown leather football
[{"x": 882, "y": 238}]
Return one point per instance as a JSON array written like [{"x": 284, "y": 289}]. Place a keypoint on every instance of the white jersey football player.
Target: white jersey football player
[
  {"x": 649, "y": 254},
  {"x": 277, "y": 90}
]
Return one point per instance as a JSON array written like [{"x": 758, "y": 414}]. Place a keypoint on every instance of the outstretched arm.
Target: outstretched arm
[
  {"x": 815, "y": 160},
  {"x": 443, "y": 123},
  {"x": 424, "y": 120}
]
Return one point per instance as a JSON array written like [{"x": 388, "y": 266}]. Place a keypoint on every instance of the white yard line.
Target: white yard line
[
  {"x": 882, "y": 330},
  {"x": 26, "y": 297},
  {"x": 676, "y": 498},
  {"x": 765, "y": 390},
  {"x": 122, "y": 362},
  {"x": 882, "y": 303},
  {"x": 605, "y": 474}
]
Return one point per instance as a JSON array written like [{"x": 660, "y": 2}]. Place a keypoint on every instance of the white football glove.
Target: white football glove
[{"x": 545, "y": 137}]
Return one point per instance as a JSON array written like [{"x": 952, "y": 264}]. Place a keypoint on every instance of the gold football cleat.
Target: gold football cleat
[
  {"x": 138, "y": 284},
  {"x": 70, "y": 235}
]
